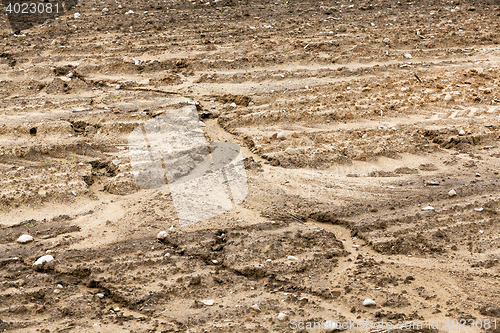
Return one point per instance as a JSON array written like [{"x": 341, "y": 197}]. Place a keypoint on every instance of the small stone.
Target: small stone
[
  {"x": 215, "y": 261},
  {"x": 56, "y": 291},
  {"x": 233, "y": 105},
  {"x": 70, "y": 75},
  {"x": 256, "y": 308},
  {"x": 452, "y": 193},
  {"x": 448, "y": 97},
  {"x": 77, "y": 15},
  {"x": 118, "y": 87},
  {"x": 369, "y": 302},
  {"x": 120, "y": 6},
  {"x": 74, "y": 193},
  {"x": 202, "y": 124},
  {"x": 462, "y": 132},
  {"x": 100, "y": 295},
  {"x": 282, "y": 316},
  {"x": 116, "y": 162},
  {"x": 428, "y": 208},
  {"x": 162, "y": 235},
  {"x": 208, "y": 302},
  {"x": 432, "y": 183},
  {"x": 24, "y": 239},
  {"x": 291, "y": 151},
  {"x": 479, "y": 209},
  {"x": 408, "y": 56},
  {"x": 478, "y": 174},
  {"x": 292, "y": 258},
  {"x": 281, "y": 135},
  {"x": 43, "y": 260},
  {"x": 59, "y": 286},
  {"x": 117, "y": 309}
]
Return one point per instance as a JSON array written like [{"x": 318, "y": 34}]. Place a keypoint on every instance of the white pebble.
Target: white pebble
[
  {"x": 428, "y": 208},
  {"x": 369, "y": 302},
  {"x": 462, "y": 132},
  {"x": 43, "y": 260},
  {"x": 292, "y": 258},
  {"x": 24, "y": 239},
  {"x": 452, "y": 193},
  {"x": 208, "y": 302},
  {"x": 281, "y": 135},
  {"x": 408, "y": 56},
  {"x": 77, "y": 15},
  {"x": 162, "y": 235},
  {"x": 291, "y": 151},
  {"x": 447, "y": 97},
  {"x": 282, "y": 316}
]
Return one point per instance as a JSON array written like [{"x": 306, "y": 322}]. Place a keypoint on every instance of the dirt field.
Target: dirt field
[{"x": 370, "y": 131}]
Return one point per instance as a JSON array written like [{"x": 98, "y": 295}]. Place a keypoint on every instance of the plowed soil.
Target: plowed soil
[{"x": 382, "y": 108}]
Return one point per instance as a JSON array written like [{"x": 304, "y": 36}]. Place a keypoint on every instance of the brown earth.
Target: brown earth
[{"x": 388, "y": 105}]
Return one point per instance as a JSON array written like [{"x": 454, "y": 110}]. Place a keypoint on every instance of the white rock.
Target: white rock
[
  {"x": 447, "y": 97},
  {"x": 369, "y": 302},
  {"x": 120, "y": 6},
  {"x": 281, "y": 135},
  {"x": 452, "y": 193},
  {"x": 100, "y": 295},
  {"x": 43, "y": 260},
  {"x": 479, "y": 209},
  {"x": 77, "y": 15},
  {"x": 129, "y": 12},
  {"x": 59, "y": 286},
  {"x": 408, "y": 56},
  {"x": 292, "y": 258},
  {"x": 74, "y": 193},
  {"x": 105, "y": 9},
  {"x": 117, "y": 309},
  {"x": 215, "y": 261},
  {"x": 70, "y": 75},
  {"x": 208, "y": 302},
  {"x": 233, "y": 105},
  {"x": 24, "y": 239},
  {"x": 428, "y": 208},
  {"x": 282, "y": 316},
  {"x": 202, "y": 124},
  {"x": 331, "y": 325},
  {"x": 118, "y": 87},
  {"x": 162, "y": 235},
  {"x": 291, "y": 151},
  {"x": 462, "y": 132},
  {"x": 256, "y": 307}
]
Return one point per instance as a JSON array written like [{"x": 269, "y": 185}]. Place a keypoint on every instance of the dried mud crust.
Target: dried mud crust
[{"x": 370, "y": 134}]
